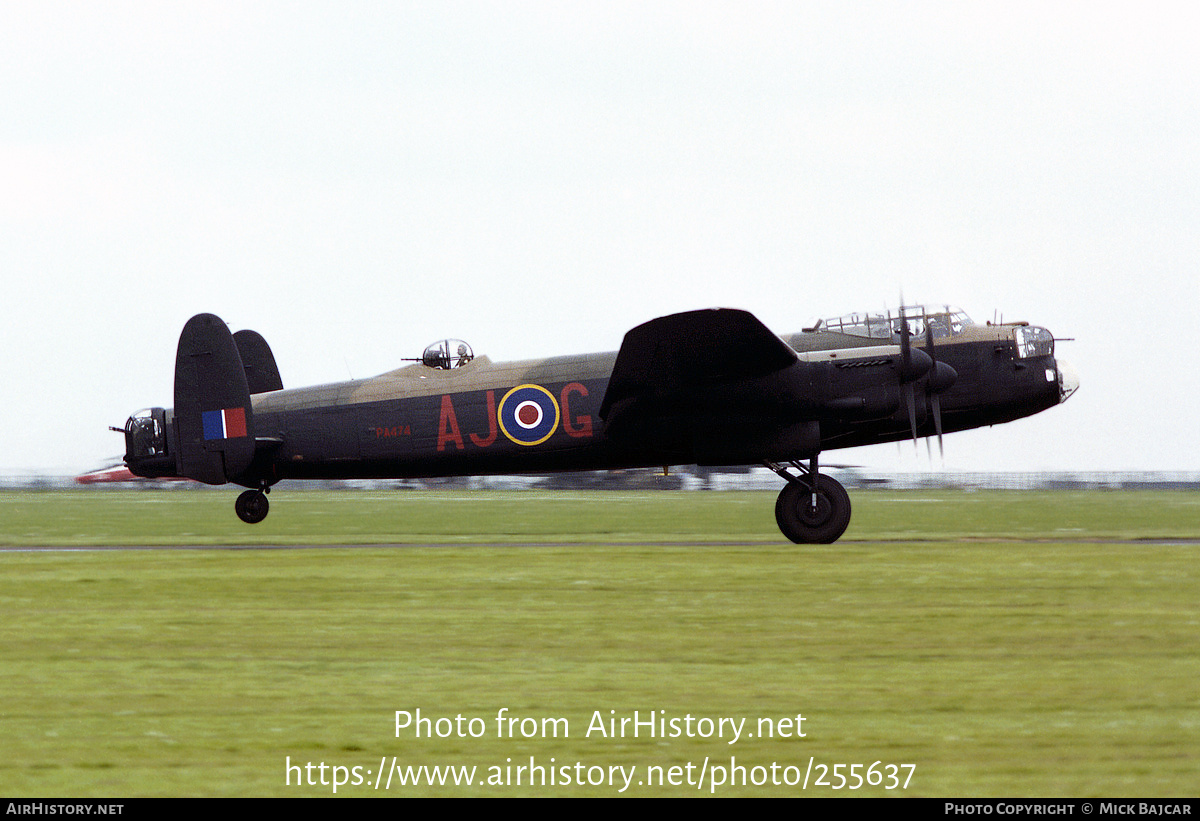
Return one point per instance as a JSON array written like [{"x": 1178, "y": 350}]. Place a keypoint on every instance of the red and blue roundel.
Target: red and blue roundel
[{"x": 528, "y": 414}]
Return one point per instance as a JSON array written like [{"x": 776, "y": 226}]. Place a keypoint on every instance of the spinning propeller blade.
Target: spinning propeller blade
[
  {"x": 916, "y": 365},
  {"x": 941, "y": 378},
  {"x": 934, "y": 402},
  {"x": 908, "y": 372}
]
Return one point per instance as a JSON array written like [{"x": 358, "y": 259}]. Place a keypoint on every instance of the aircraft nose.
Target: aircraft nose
[{"x": 1068, "y": 381}]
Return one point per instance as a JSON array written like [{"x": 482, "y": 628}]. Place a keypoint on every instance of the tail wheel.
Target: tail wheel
[
  {"x": 252, "y": 506},
  {"x": 808, "y": 520}
]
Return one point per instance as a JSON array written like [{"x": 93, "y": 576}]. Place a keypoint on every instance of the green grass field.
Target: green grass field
[{"x": 1006, "y": 644}]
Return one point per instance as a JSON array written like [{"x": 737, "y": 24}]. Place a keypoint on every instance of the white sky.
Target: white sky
[{"x": 357, "y": 179}]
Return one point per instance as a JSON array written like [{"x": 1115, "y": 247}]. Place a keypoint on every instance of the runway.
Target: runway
[{"x": 494, "y": 545}]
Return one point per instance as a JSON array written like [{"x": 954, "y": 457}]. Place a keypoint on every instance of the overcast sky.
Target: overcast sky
[{"x": 357, "y": 179}]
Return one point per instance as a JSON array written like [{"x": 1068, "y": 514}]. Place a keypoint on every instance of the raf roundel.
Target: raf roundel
[{"x": 528, "y": 414}]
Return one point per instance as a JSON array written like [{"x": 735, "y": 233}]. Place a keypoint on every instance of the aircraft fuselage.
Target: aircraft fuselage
[{"x": 732, "y": 393}]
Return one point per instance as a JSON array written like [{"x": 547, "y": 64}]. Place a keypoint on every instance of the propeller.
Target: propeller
[
  {"x": 914, "y": 364},
  {"x": 940, "y": 379}
]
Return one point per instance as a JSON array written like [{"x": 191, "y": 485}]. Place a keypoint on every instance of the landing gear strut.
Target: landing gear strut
[
  {"x": 811, "y": 508},
  {"x": 252, "y": 505}
]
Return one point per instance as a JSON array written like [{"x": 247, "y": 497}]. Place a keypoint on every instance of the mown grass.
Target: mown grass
[
  {"x": 206, "y": 517},
  {"x": 997, "y": 664}
]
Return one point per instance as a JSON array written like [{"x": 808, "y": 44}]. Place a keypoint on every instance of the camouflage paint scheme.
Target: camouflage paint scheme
[{"x": 705, "y": 387}]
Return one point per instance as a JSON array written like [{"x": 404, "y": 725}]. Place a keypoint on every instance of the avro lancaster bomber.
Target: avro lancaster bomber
[{"x": 708, "y": 387}]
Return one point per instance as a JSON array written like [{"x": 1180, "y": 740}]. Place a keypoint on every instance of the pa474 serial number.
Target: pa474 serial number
[{"x": 857, "y": 776}]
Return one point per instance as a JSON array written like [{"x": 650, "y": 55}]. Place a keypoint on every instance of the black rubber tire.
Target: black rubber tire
[
  {"x": 252, "y": 506},
  {"x": 803, "y": 524}
]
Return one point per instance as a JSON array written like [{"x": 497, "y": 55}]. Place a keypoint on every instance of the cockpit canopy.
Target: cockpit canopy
[
  {"x": 446, "y": 354},
  {"x": 942, "y": 321}
]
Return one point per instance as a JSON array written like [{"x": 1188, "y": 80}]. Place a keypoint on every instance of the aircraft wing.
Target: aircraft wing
[{"x": 680, "y": 353}]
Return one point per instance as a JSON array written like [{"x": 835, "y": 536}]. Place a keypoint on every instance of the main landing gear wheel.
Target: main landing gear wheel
[
  {"x": 806, "y": 520},
  {"x": 252, "y": 506}
]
